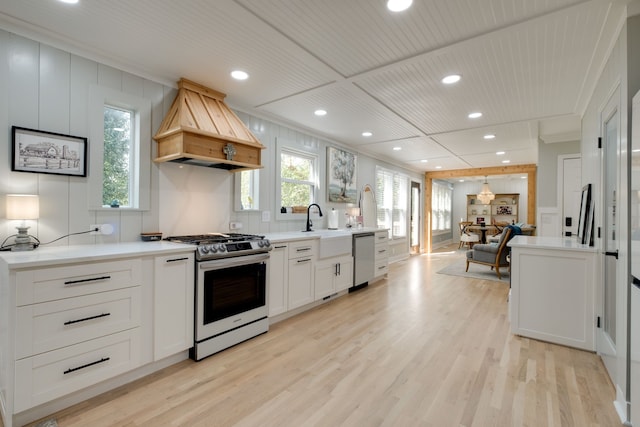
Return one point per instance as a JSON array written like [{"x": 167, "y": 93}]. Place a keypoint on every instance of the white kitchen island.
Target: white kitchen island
[{"x": 552, "y": 290}]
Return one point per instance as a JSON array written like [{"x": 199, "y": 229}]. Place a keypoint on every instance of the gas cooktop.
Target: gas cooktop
[{"x": 224, "y": 245}]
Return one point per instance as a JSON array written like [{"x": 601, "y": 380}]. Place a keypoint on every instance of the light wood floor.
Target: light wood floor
[{"x": 417, "y": 349}]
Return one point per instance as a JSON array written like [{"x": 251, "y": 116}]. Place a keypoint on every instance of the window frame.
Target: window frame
[
  {"x": 441, "y": 186},
  {"x": 314, "y": 182},
  {"x": 140, "y": 182},
  {"x": 392, "y": 202},
  {"x": 255, "y": 190}
]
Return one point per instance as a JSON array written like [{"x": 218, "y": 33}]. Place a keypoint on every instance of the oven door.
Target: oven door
[{"x": 230, "y": 293}]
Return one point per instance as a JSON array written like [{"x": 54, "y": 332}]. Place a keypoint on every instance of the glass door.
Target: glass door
[
  {"x": 607, "y": 333},
  {"x": 415, "y": 217}
]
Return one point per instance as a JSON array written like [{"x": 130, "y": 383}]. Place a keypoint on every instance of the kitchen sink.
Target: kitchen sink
[{"x": 333, "y": 242}]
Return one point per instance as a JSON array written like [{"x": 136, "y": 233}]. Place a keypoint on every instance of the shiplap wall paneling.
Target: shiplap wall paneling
[
  {"x": 53, "y": 113},
  {"x": 155, "y": 93},
  {"x": 5, "y": 130},
  {"x": 83, "y": 74},
  {"x": 23, "y": 106}
]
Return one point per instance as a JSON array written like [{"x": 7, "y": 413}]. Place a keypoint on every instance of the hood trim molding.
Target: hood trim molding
[{"x": 201, "y": 129}]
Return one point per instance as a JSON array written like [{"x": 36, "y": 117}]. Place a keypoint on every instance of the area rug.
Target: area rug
[{"x": 476, "y": 271}]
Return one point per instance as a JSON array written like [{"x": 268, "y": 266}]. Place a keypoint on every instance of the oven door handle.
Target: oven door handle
[{"x": 219, "y": 264}]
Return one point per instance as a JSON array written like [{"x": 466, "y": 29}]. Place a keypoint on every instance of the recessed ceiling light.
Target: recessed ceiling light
[
  {"x": 523, "y": 177},
  {"x": 367, "y": 134},
  {"x": 399, "y": 5},
  {"x": 239, "y": 75},
  {"x": 637, "y": 150},
  {"x": 450, "y": 79},
  {"x": 320, "y": 112},
  {"x": 461, "y": 180},
  {"x": 397, "y": 148},
  {"x": 438, "y": 167},
  {"x": 424, "y": 161},
  {"x": 69, "y": 1},
  {"x": 475, "y": 115},
  {"x": 500, "y": 153},
  {"x": 489, "y": 136},
  {"x": 506, "y": 161}
]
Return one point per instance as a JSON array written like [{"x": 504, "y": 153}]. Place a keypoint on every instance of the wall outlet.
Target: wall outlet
[
  {"x": 266, "y": 216},
  {"x": 100, "y": 229},
  {"x": 235, "y": 225}
]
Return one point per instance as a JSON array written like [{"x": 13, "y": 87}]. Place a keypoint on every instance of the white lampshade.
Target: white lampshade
[
  {"x": 353, "y": 211},
  {"x": 22, "y": 206}
]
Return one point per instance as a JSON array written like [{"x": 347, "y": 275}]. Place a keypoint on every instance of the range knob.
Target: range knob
[
  {"x": 204, "y": 249},
  {"x": 213, "y": 249},
  {"x": 222, "y": 247}
]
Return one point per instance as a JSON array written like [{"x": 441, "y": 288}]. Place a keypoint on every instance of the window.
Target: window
[
  {"x": 297, "y": 178},
  {"x": 247, "y": 185},
  {"x": 120, "y": 149},
  {"x": 441, "y": 200},
  {"x": 119, "y": 157},
  {"x": 392, "y": 200}
]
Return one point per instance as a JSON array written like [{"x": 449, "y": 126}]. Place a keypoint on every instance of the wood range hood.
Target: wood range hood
[{"x": 200, "y": 129}]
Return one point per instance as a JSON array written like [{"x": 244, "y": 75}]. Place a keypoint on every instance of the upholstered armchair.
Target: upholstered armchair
[
  {"x": 467, "y": 238},
  {"x": 492, "y": 254}
]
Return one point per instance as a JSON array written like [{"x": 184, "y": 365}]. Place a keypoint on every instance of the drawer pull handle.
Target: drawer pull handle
[
  {"x": 303, "y": 249},
  {"x": 177, "y": 259},
  {"x": 71, "y": 322},
  {"x": 382, "y": 251},
  {"x": 304, "y": 260},
  {"x": 93, "y": 279},
  {"x": 280, "y": 247},
  {"x": 382, "y": 268},
  {"x": 68, "y": 371}
]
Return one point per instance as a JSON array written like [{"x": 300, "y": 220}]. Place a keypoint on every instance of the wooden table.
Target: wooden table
[{"x": 527, "y": 231}]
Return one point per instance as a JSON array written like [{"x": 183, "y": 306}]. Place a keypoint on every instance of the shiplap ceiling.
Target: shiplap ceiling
[{"x": 528, "y": 65}]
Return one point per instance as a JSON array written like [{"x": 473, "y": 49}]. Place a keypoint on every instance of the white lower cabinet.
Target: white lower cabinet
[
  {"x": 75, "y": 325},
  {"x": 173, "y": 304},
  {"x": 302, "y": 256},
  {"x": 277, "y": 287},
  {"x": 381, "y": 255},
  {"x": 67, "y": 326},
  {"x": 333, "y": 275}
]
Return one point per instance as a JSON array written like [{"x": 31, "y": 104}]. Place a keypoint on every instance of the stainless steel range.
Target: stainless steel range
[{"x": 231, "y": 294}]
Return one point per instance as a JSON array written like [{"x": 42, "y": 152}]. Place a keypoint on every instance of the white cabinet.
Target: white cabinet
[
  {"x": 277, "y": 287},
  {"x": 173, "y": 303},
  {"x": 75, "y": 325},
  {"x": 333, "y": 275},
  {"x": 302, "y": 256},
  {"x": 381, "y": 253},
  {"x": 552, "y": 286}
]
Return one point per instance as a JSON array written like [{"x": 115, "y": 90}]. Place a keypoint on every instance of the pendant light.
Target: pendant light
[{"x": 486, "y": 196}]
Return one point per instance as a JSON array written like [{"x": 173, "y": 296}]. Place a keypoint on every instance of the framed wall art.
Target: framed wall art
[
  {"x": 47, "y": 152},
  {"x": 341, "y": 176}
]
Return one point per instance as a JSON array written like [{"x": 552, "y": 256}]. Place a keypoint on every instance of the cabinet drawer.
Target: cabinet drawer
[
  {"x": 381, "y": 252},
  {"x": 53, "y": 374},
  {"x": 51, "y": 325},
  {"x": 382, "y": 268},
  {"x": 54, "y": 283},
  {"x": 382, "y": 237},
  {"x": 302, "y": 248}
]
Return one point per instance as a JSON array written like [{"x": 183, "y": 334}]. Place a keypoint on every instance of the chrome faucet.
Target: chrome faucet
[{"x": 309, "y": 224}]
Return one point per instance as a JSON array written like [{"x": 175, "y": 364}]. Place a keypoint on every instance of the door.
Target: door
[
  {"x": 634, "y": 200},
  {"x": 415, "y": 217},
  {"x": 607, "y": 287}
]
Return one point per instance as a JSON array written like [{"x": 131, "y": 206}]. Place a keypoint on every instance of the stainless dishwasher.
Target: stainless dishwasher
[{"x": 363, "y": 259}]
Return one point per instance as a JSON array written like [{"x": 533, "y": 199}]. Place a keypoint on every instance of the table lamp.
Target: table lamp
[{"x": 23, "y": 207}]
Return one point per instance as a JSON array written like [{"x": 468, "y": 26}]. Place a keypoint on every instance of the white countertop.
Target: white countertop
[
  {"x": 78, "y": 253},
  {"x": 539, "y": 242},
  {"x": 290, "y": 236}
]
